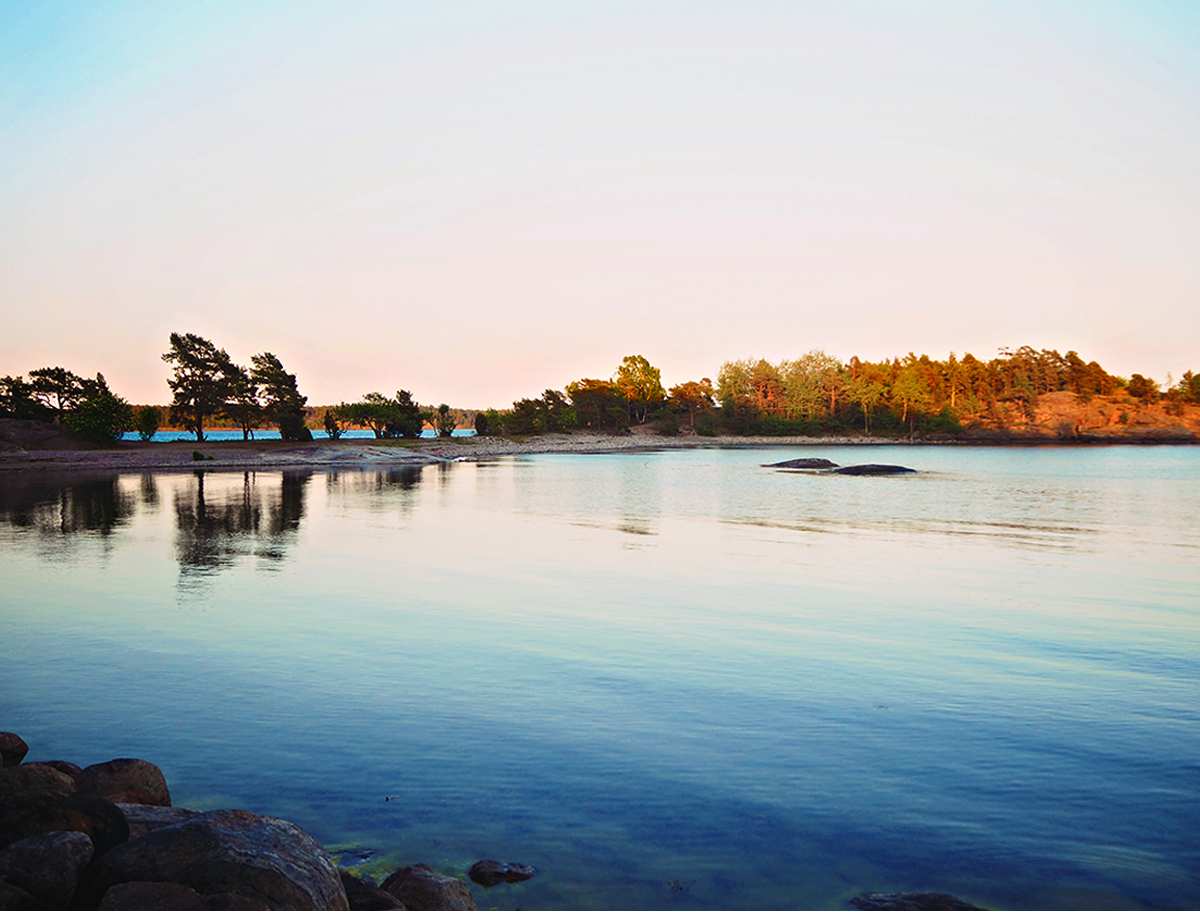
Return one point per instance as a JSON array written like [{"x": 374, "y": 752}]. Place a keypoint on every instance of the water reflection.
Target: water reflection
[
  {"x": 53, "y": 506},
  {"x": 219, "y": 518}
]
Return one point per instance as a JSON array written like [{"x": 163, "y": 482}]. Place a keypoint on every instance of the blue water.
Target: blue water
[
  {"x": 666, "y": 680},
  {"x": 269, "y": 434}
]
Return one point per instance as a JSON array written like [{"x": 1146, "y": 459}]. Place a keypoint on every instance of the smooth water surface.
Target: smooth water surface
[{"x": 666, "y": 680}]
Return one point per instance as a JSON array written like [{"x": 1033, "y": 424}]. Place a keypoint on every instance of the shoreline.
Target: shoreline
[{"x": 235, "y": 455}]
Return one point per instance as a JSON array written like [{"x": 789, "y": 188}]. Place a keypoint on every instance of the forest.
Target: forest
[{"x": 815, "y": 394}]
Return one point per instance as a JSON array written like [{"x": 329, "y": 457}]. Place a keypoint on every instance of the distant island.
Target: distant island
[{"x": 1023, "y": 395}]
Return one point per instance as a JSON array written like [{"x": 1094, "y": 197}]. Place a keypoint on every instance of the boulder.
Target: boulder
[
  {"x": 364, "y": 895},
  {"x": 805, "y": 463},
  {"x": 63, "y": 766},
  {"x": 15, "y": 898},
  {"x": 917, "y": 901},
  {"x": 418, "y": 887},
  {"x": 125, "y": 781},
  {"x": 48, "y": 865},
  {"x": 261, "y": 858},
  {"x": 871, "y": 469},
  {"x": 487, "y": 873},
  {"x": 12, "y": 749},
  {"x": 31, "y": 779},
  {"x": 143, "y": 895},
  {"x": 32, "y": 814},
  {"x": 142, "y": 818}
]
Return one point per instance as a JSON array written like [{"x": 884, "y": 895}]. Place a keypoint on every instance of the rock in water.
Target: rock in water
[
  {"x": 47, "y": 865},
  {"x": 261, "y": 858},
  {"x": 127, "y": 781},
  {"x": 911, "y": 901},
  {"x": 871, "y": 469},
  {"x": 418, "y": 887},
  {"x": 30, "y": 815},
  {"x": 487, "y": 873},
  {"x": 12, "y": 749},
  {"x": 806, "y": 463}
]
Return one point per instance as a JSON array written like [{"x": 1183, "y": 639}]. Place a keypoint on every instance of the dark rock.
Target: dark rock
[
  {"x": 31, "y": 779},
  {"x": 487, "y": 873},
  {"x": 142, "y": 818},
  {"x": 871, "y": 469},
  {"x": 47, "y": 865},
  {"x": 63, "y": 766},
  {"x": 12, "y": 749},
  {"x": 143, "y": 895},
  {"x": 918, "y": 901},
  {"x": 15, "y": 898},
  {"x": 30, "y": 815},
  {"x": 806, "y": 463},
  {"x": 261, "y": 858},
  {"x": 364, "y": 895},
  {"x": 125, "y": 781},
  {"x": 418, "y": 887}
]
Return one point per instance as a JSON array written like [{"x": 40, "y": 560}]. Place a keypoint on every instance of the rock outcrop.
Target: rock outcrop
[
  {"x": 418, "y": 887},
  {"x": 12, "y": 749},
  {"x": 125, "y": 781}
]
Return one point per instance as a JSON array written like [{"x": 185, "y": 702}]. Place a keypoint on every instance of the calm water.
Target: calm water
[{"x": 668, "y": 680}]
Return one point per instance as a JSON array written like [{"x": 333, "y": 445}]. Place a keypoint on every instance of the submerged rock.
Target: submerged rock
[
  {"x": 12, "y": 749},
  {"x": 916, "y": 901},
  {"x": 873, "y": 469},
  {"x": 487, "y": 873},
  {"x": 261, "y": 858},
  {"x": 126, "y": 780},
  {"x": 419, "y": 887},
  {"x": 805, "y": 463}
]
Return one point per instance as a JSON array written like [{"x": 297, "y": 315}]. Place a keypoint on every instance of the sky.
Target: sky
[{"x": 477, "y": 201}]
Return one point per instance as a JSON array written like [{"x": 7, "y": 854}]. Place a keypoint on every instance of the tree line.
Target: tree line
[{"x": 810, "y": 395}]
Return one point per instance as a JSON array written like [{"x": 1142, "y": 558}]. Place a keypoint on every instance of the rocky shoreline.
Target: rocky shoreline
[
  {"x": 106, "y": 836},
  {"x": 238, "y": 455}
]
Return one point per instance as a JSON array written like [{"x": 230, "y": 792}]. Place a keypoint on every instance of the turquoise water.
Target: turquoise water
[{"x": 666, "y": 680}]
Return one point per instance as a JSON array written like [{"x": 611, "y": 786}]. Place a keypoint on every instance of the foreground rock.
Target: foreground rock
[
  {"x": 143, "y": 895},
  {"x": 363, "y": 895},
  {"x": 142, "y": 818},
  {"x": 47, "y": 866},
  {"x": 487, "y": 873},
  {"x": 125, "y": 781},
  {"x": 805, "y": 463},
  {"x": 12, "y": 749},
  {"x": 919, "y": 901},
  {"x": 418, "y": 887},
  {"x": 28, "y": 816},
  {"x": 261, "y": 858},
  {"x": 33, "y": 779},
  {"x": 873, "y": 469}
]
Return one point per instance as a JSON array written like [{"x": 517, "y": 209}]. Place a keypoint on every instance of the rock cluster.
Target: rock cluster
[{"x": 107, "y": 837}]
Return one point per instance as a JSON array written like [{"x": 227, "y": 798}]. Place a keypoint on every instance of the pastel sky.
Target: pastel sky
[{"x": 477, "y": 201}]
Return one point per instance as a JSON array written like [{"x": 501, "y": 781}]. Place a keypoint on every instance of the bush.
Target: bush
[
  {"x": 149, "y": 418},
  {"x": 102, "y": 419}
]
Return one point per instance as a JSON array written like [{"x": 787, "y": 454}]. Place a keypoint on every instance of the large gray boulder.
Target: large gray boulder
[
  {"x": 12, "y": 749},
  {"x": 419, "y": 887},
  {"x": 260, "y": 858},
  {"x": 126, "y": 781},
  {"x": 47, "y": 866},
  {"x": 142, "y": 818}
]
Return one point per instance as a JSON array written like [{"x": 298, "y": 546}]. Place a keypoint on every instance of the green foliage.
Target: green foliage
[
  {"x": 102, "y": 419},
  {"x": 204, "y": 379},
  {"x": 17, "y": 400},
  {"x": 282, "y": 402},
  {"x": 332, "y": 421},
  {"x": 147, "y": 421},
  {"x": 641, "y": 384},
  {"x": 1142, "y": 388},
  {"x": 598, "y": 404},
  {"x": 374, "y": 411},
  {"x": 445, "y": 421},
  {"x": 410, "y": 420}
]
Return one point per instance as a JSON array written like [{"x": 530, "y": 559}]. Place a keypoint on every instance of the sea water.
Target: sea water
[{"x": 671, "y": 679}]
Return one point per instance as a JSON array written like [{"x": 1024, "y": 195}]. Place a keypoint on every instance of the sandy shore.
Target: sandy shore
[{"x": 359, "y": 453}]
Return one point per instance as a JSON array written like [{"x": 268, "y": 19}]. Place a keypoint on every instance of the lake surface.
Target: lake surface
[{"x": 666, "y": 680}]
